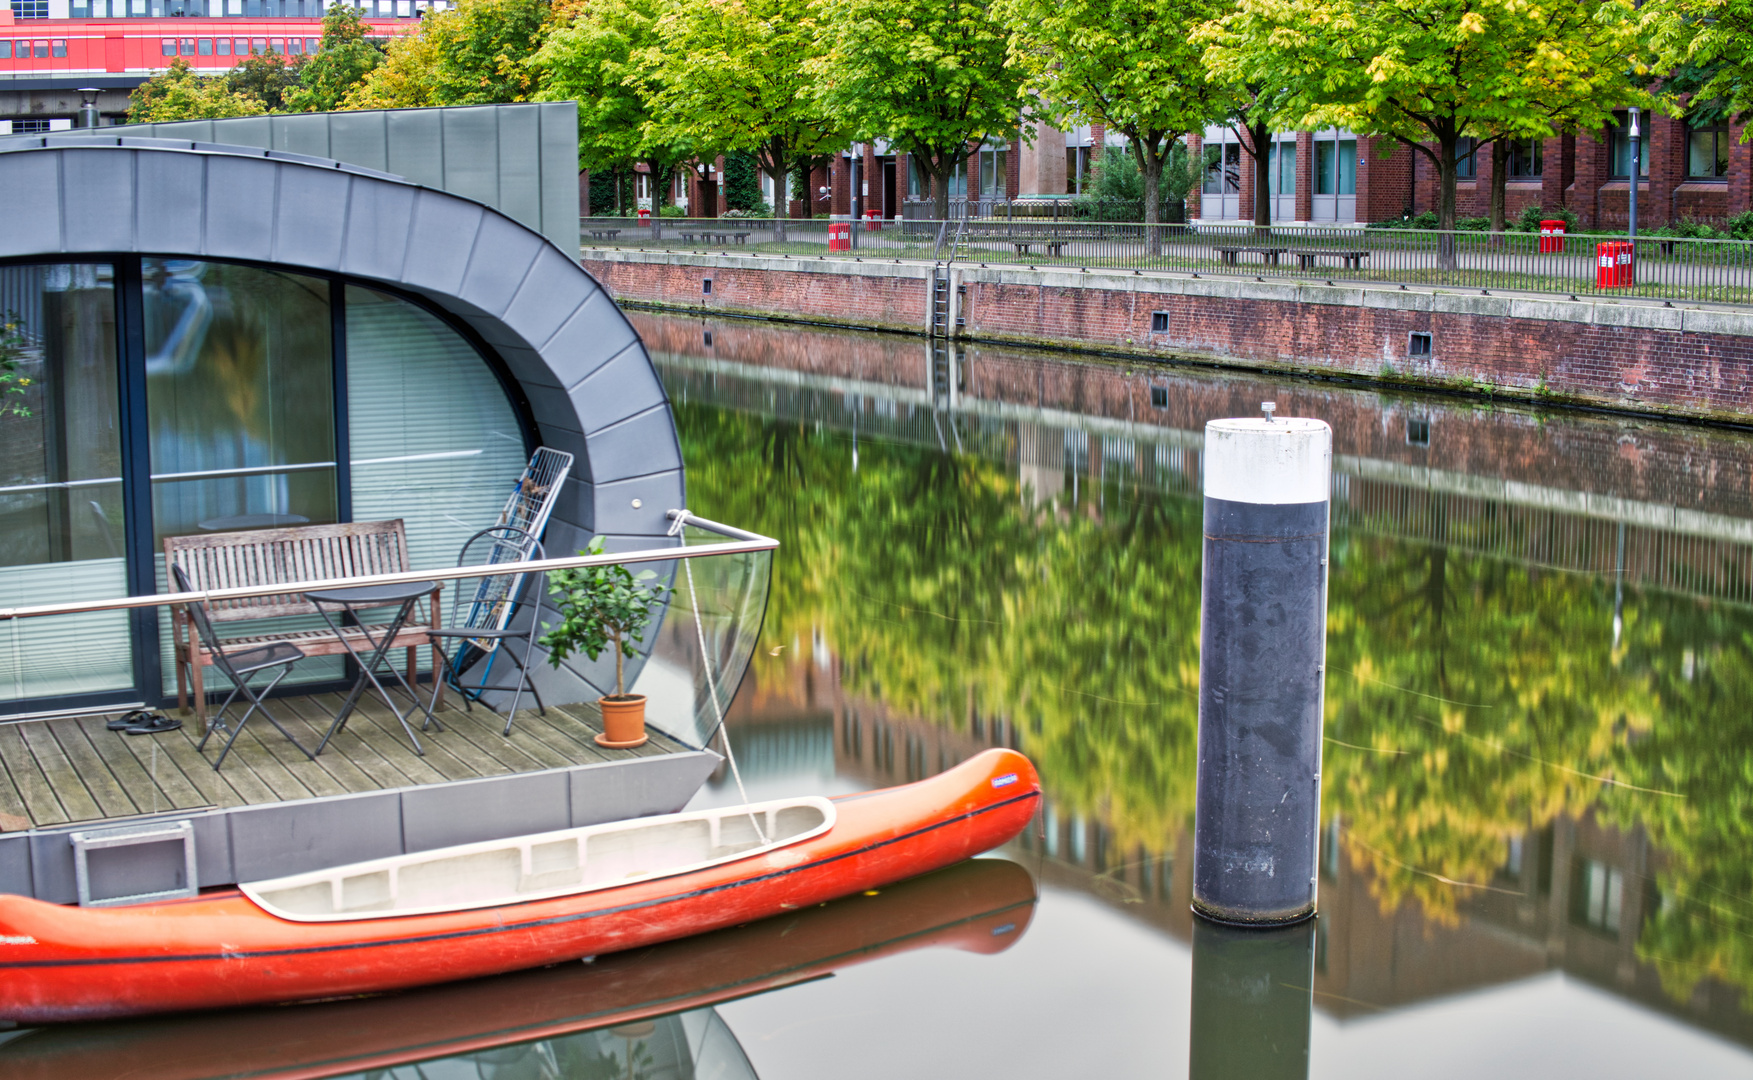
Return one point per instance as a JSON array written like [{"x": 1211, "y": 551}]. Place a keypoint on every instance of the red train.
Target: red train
[{"x": 59, "y": 48}]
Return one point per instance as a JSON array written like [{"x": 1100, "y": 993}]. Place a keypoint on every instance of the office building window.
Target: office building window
[
  {"x": 1281, "y": 167},
  {"x": 1707, "y": 151},
  {"x": 1619, "y": 150},
  {"x": 188, "y": 47},
  {"x": 1466, "y": 159},
  {"x": 30, "y": 127},
  {"x": 168, "y": 46},
  {"x": 30, "y": 9},
  {"x": 58, "y": 47},
  {"x": 1336, "y": 166},
  {"x": 5, "y": 50},
  {"x": 1527, "y": 157},
  {"x": 1223, "y": 168},
  {"x": 295, "y": 46},
  {"x": 223, "y": 46},
  {"x": 1597, "y": 896},
  {"x": 39, "y": 50}
]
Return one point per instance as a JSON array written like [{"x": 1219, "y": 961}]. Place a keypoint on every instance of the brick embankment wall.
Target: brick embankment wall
[{"x": 1636, "y": 356}]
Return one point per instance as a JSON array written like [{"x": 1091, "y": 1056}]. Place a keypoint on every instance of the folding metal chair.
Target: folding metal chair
[
  {"x": 481, "y": 617},
  {"x": 239, "y": 666}
]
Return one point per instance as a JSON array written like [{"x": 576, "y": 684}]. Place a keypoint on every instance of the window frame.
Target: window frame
[
  {"x": 1720, "y": 151},
  {"x": 1621, "y": 132}
]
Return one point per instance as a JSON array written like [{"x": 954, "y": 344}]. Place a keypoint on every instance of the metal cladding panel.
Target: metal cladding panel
[
  {"x": 473, "y": 172},
  {"x": 527, "y": 367},
  {"x": 310, "y": 221},
  {"x": 306, "y": 133},
  {"x": 37, "y": 232},
  {"x": 486, "y": 809},
  {"x": 360, "y": 138},
  {"x": 572, "y": 442},
  {"x": 658, "y": 494},
  {"x": 520, "y": 165},
  {"x": 91, "y": 181},
  {"x": 289, "y": 838},
  {"x": 380, "y": 218},
  {"x": 638, "y": 788},
  {"x": 550, "y": 293},
  {"x": 51, "y": 868},
  {"x": 560, "y": 207},
  {"x": 501, "y": 261},
  {"x": 624, "y": 386},
  {"x": 596, "y": 332},
  {"x": 640, "y": 446},
  {"x": 202, "y": 131},
  {"x": 577, "y": 501},
  {"x": 169, "y": 198},
  {"x": 15, "y": 877},
  {"x": 553, "y": 407},
  {"x": 240, "y": 193},
  {"x": 416, "y": 145},
  {"x": 440, "y": 242}
]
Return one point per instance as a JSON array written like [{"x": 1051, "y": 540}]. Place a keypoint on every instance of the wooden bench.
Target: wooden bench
[
  {"x": 1054, "y": 247},
  {"x": 605, "y": 234},
  {"x": 1351, "y": 260},
  {"x": 1269, "y": 255},
  {"x": 268, "y": 557}
]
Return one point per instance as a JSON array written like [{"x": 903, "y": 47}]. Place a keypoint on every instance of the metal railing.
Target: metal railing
[
  {"x": 741, "y": 542},
  {"x": 1665, "y": 268}
]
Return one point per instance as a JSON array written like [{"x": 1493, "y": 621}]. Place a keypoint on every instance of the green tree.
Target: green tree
[
  {"x": 180, "y": 94},
  {"x": 1709, "y": 45},
  {"x": 601, "y": 59},
  {"x": 268, "y": 78},
  {"x": 1130, "y": 65},
  {"x": 347, "y": 55},
  {"x": 1430, "y": 72},
  {"x": 475, "y": 53},
  {"x": 741, "y": 75},
  {"x": 742, "y": 182},
  {"x": 931, "y": 76}
]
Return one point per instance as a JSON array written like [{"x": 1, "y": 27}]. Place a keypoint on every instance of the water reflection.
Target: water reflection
[
  {"x": 1252, "y": 1000},
  {"x": 1540, "y": 721}
]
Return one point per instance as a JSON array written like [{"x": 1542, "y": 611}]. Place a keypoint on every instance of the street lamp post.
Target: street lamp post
[{"x": 1636, "y": 170}]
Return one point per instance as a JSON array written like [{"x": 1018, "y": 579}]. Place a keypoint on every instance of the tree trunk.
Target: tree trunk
[
  {"x": 1500, "y": 167},
  {"x": 1261, "y": 137},
  {"x": 1445, "y": 214},
  {"x": 660, "y": 190},
  {"x": 1150, "y": 168},
  {"x": 940, "y": 186},
  {"x": 620, "y": 657}
]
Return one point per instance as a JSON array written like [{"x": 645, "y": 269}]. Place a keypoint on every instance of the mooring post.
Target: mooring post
[
  {"x": 1253, "y": 996},
  {"x": 1263, "y": 637}
]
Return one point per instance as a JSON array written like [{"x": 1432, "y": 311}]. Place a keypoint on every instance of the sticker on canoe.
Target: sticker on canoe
[
  {"x": 17, "y": 939},
  {"x": 1004, "y": 781}
]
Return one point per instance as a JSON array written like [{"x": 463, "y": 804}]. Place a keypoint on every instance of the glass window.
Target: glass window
[
  {"x": 295, "y": 46},
  {"x": 62, "y": 536},
  {"x": 1223, "y": 168},
  {"x": 1619, "y": 150},
  {"x": 1527, "y": 157},
  {"x": 259, "y": 46},
  {"x": 239, "y": 377},
  {"x": 5, "y": 50},
  {"x": 408, "y": 376},
  {"x": 188, "y": 46},
  {"x": 312, "y": 44},
  {"x": 58, "y": 47},
  {"x": 40, "y": 49},
  {"x": 204, "y": 47},
  {"x": 223, "y": 46},
  {"x": 1326, "y": 171},
  {"x": 1707, "y": 151},
  {"x": 277, "y": 45},
  {"x": 168, "y": 46},
  {"x": 1347, "y": 162},
  {"x": 1284, "y": 168},
  {"x": 1466, "y": 159}
]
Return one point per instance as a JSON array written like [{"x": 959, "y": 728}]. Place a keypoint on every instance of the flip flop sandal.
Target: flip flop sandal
[
  {"x": 130, "y": 719},
  {"x": 158, "y": 723}
]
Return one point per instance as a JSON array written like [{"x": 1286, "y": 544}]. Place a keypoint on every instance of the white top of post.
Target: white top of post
[{"x": 1269, "y": 461}]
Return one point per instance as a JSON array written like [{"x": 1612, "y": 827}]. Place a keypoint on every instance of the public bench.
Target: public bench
[
  {"x": 234, "y": 560},
  {"x": 1268, "y": 255},
  {"x": 1351, "y": 260},
  {"x": 605, "y": 234},
  {"x": 1054, "y": 247},
  {"x": 712, "y": 234}
]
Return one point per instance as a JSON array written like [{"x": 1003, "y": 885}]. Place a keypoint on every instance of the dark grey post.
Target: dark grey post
[
  {"x": 1636, "y": 168},
  {"x": 1263, "y": 637},
  {"x": 1252, "y": 996},
  {"x": 88, "y": 115}
]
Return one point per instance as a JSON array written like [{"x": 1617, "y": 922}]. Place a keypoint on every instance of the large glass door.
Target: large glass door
[{"x": 63, "y": 529}]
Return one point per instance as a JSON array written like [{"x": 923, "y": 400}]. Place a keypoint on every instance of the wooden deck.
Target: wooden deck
[{"x": 58, "y": 772}]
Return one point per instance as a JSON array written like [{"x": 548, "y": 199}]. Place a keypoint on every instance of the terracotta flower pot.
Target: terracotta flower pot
[{"x": 623, "y": 721}]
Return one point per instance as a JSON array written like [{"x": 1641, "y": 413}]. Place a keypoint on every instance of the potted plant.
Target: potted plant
[{"x": 604, "y": 607}]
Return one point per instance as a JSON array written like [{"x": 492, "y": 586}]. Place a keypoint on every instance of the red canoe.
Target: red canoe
[
  {"x": 485, "y": 909},
  {"x": 980, "y": 906}
]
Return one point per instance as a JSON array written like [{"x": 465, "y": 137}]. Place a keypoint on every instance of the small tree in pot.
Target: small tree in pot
[{"x": 604, "y": 607}]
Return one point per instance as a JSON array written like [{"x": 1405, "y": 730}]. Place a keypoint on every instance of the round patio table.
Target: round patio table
[{"x": 349, "y": 601}]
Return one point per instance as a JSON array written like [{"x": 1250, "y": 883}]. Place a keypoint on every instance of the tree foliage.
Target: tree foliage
[
  {"x": 180, "y": 94},
  {"x": 600, "y": 607},
  {"x": 474, "y": 53},
  {"x": 931, "y": 76},
  {"x": 346, "y": 56}
]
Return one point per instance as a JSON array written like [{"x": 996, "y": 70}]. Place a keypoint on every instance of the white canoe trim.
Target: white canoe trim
[{"x": 521, "y": 869}]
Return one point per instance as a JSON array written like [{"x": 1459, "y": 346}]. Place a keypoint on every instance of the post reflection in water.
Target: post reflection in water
[{"x": 1253, "y": 996}]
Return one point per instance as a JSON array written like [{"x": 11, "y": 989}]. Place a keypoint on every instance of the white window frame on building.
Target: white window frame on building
[{"x": 1334, "y": 162}]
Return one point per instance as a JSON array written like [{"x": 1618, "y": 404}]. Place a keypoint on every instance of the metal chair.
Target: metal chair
[
  {"x": 239, "y": 666},
  {"x": 481, "y": 617}
]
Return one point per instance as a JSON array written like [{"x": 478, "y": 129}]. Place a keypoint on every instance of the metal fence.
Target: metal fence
[{"x": 1664, "y": 268}]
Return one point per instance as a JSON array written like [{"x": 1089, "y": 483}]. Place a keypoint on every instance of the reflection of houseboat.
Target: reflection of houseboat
[{"x": 568, "y": 1013}]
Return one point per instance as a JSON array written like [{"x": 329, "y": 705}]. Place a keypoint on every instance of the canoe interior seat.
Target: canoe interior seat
[{"x": 520, "y": 869}]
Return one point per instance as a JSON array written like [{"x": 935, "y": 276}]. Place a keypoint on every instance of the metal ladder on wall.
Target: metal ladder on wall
[{"x": 940, "y": 300}]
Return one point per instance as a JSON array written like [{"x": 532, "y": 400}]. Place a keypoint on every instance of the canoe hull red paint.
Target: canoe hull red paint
[{"x": 220, "y": 950}]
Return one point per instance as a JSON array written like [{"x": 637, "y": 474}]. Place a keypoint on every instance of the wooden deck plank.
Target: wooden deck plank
[
  {"x": 14, "y": 813},
  {"x": 63, "y": 778},
  {"x": 456, "y": 757},
  {"x": 562, "y": 734},
  {"x": 32, "y": 784},
  {"x": 155, "y": 784},
  {"x": 111, "y": 797},
  {"x": 481, "y": 730},
  {"x": 249, "y": 755},
  {"x": 197, "y": 768},
  {"x": 360, "y": 771},
  {"x": 594, "y": 725},
  {"x": 362, "y": 733}
]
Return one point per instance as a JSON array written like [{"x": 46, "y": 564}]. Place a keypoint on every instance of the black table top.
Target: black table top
[{"x": 372, "y": 594}]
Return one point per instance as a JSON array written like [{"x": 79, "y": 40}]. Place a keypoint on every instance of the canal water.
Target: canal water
[{"x": 1537, "y": 846}]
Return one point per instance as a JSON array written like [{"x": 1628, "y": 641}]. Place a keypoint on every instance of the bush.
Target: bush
[
  {"x": 1531, "y": 216},
  {"x": 1472, "y": 224},
  {"x": 1426, "y": 220},
  {"x": 671, "y": 212},
  {"x": 1740, "y": 226},
  {"x": 1692, "y": 230},
  {"x": 742, "y": 182},
  {"x": 759, "y": 210}
]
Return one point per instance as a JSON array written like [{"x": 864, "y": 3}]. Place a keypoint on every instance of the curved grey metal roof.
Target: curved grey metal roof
[{"x": 590, "y": 385}]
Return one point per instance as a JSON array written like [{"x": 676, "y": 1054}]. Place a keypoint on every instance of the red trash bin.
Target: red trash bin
[
  {"x": 1551, "y": 237},
  {"x": 873, "y": 221},
  {"x": 644, "y": 216},
  {"x": 840, "y": 236},
  {"x": 1613, "y": 265}
]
